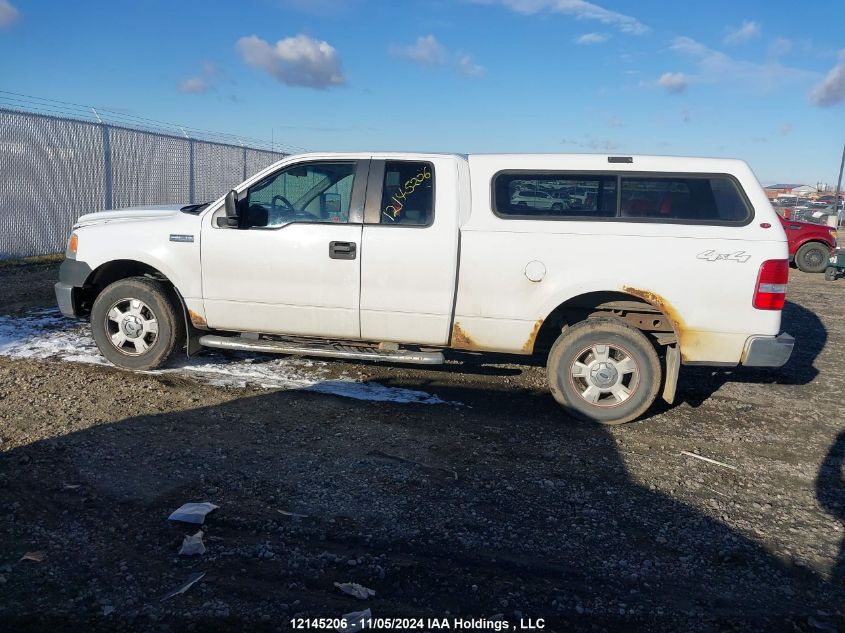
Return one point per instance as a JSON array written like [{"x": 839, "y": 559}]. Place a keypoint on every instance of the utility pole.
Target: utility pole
[{"x": 838, "y": 185}]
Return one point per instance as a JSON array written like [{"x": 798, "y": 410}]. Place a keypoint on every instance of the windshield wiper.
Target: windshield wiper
[{"x": 194, "y": 209}]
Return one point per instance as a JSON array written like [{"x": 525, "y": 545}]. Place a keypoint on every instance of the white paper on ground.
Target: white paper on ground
[
  {"x": 193, "y": 512},
  {"x": 192, "y": 545}
]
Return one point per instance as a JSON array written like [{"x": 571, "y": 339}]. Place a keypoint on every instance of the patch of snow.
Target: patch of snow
[{"x": 45, "y": 334}]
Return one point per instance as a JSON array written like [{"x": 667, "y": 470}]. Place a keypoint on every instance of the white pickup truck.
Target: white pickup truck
[{"x": 402, "y": 258}]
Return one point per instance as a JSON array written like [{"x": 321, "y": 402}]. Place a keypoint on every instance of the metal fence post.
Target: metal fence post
[
  {"x": 108, "y": 202},
  {"x": 191, "y": 192}
]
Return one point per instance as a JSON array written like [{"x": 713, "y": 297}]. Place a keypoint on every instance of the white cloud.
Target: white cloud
[
  {"x": 595, "y": 143},
  {"x": 295, "y": 61},
  {"x": 716, "y": 66},
  {"x": 747, "y": 31},
  {"x": 8, "y": 13},
  {"x": 426, "y": 51},
  {"x": 831, "y": 90},
  {"x": 689, "y": 46},
  {"x": 673, "y": 83},
  {"x": 194, "y": 86},
  {"x": 580, "y": 9},
  {"x": 201, "y": 83},
  {"x": 592, "y": 38},
  {"x": 468, "y": 68}
]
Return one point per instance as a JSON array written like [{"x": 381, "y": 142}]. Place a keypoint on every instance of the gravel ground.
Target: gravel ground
[{"x": 488, "y": 503}]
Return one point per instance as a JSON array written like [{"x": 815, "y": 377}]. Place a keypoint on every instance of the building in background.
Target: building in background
[
  {"x": 773, "y": 191},
  {"x": 804, "y": 191},
  {"x": 801, "y": 191}
]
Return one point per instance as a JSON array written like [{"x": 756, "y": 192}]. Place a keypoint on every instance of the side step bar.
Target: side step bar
[{"x": 326, "y": 350}]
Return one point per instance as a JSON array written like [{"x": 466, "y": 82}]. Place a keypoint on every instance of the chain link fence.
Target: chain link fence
[{"x": 54, "y": 169}]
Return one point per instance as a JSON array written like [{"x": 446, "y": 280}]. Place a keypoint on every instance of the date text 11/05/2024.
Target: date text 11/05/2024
[{"x": 409, "y": 624}]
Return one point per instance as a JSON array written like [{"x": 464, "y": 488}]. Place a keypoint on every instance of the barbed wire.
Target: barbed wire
[{"x": 94, "y": 114}]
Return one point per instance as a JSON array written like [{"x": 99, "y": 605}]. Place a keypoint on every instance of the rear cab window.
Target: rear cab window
[{"x": 632, "y": 197}]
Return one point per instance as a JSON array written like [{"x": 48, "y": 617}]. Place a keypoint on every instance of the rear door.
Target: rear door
[{"x": 409, "y": 257}]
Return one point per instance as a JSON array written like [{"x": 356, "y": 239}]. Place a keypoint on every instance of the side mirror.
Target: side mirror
[{"x": 232, "y": 206}]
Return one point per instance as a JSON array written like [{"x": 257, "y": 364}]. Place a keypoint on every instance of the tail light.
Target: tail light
[{"x": 770, "y": 293}]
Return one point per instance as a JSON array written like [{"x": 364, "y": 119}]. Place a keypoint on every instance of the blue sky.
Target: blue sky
[{"x": 761, "y": 81}]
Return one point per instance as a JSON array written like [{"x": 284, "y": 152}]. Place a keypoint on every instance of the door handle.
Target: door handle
[{"x": 342, "y": 250}]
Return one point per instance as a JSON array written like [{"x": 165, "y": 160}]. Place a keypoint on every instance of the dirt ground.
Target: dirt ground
[{"x": 490, "y": 505}]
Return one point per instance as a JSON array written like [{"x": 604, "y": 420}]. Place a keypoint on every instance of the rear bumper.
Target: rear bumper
[{"x": 768, "y": 351}]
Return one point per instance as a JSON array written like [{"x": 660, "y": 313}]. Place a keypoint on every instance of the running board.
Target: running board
[{"x": 320, "y": 349}]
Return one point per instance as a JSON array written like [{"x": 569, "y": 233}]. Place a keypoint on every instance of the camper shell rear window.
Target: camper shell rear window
[{"x": 621, "y": 196}]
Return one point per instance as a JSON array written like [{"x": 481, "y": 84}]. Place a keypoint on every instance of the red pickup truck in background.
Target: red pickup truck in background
[{"x": 810, "y": 245}]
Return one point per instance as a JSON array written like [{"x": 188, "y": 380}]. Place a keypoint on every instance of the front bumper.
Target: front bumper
[
  {"x": 72, "y": 276},
  {"x": 768, "y": 351},
  {"x": 66, "y": 300}
]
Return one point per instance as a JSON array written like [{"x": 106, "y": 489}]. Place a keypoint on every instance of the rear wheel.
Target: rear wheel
[
  {"x": 136, "y": 323},
  {"x": 812, "y": 257},
  {"x": 830, "y": 273},
  {"x": 604, "y": 371}
]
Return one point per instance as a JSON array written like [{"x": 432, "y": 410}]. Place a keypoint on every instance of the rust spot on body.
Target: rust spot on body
[
  {"x": 197, "y": 320},
  {"x": 528, "y": 347},
  {"x": 666, "y": 308},
  {"x": 460, "y": 339}
]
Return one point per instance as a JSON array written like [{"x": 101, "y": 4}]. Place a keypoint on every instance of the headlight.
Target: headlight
[{"x": 72, "y": 244}]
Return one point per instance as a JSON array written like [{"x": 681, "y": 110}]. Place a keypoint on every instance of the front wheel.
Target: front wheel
[
  {"x": 136, "y": 324},
  {"x": 604, "y": 371},
  {"x": 812, "y": 257}
]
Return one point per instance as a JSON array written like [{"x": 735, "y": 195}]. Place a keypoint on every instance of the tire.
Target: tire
[
  {"x": 812, "y": 257},
  {"x": 830, "y": 273},
  {"x": 604, "y": 371},
  {"x": 557, "y": 207},
  {"x": 137, "y": 324}
]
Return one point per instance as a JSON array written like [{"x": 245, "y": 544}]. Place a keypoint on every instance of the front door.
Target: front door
[{"x": 294, "y": 265}]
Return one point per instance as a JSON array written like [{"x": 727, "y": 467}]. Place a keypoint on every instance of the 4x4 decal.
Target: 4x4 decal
[{"x": 713, "y": 256}]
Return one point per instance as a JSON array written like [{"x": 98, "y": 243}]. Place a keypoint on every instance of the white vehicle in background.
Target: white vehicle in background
[
  {"x": 535, "y": 199},
  {"x": 407, "y": 258},
  {"x": 579, "y": 195}
]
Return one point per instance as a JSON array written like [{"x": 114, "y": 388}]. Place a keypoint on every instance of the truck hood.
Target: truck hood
[
  {"x": 157, "y": 212},
  {"x": 811, "y": 226}
]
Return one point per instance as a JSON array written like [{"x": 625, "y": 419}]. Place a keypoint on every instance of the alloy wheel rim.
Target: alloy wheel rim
[
  {"x": 131, "y": 327},
  {"x": 604, "y": 375}
]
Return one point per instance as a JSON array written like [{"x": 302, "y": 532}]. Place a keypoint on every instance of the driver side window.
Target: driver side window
[{"x": 311, "y": 192}]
